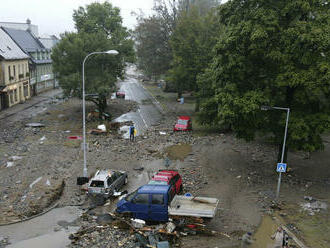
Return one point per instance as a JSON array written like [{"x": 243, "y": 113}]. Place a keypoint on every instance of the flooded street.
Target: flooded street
[
  {"x": 147, "y": 114},
  {"x": 49, "y": 230},
  {"x": 53, "y": 228}
]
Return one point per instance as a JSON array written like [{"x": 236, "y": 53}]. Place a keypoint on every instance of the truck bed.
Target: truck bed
[{"x": 193, "y": 206}]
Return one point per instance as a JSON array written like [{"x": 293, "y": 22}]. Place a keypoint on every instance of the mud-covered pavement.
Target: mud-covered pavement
[{"x": 39, "y": 166}]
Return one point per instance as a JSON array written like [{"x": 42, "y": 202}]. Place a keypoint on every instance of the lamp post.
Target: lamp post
[
  {"x": 284, "y": 141},
  {"x": 111, "y": 52}
]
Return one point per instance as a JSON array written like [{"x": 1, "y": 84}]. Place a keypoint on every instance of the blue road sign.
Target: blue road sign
[{"x": 281, "y": 167}]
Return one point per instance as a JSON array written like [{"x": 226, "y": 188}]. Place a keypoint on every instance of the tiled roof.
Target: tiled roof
[
  {"x": 8, "y": 48},
  {"x": 24, "y": 39}
]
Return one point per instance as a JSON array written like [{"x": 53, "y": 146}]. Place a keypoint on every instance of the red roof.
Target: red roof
[{"x": 184, "y": 117}]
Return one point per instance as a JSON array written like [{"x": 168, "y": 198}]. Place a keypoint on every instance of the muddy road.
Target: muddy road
[{"x": 39, "y": 166}]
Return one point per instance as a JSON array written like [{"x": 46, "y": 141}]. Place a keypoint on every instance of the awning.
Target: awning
[
  {"x": 3, "y": 88},
  {"x": 6, "y": 88}
]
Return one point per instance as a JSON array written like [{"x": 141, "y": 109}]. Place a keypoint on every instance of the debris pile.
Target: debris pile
[{"x": 313, "y": 206}]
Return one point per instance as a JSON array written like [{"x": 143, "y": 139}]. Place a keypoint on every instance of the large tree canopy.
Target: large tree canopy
[
  {"x": 276, "y": 53},
  {"x": 99, "y": 28},
  {"x": 192, "y": 42},
  {"x": 152, "y": 36}
]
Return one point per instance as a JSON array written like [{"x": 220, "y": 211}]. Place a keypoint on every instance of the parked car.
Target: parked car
[
  {"x": 170, "y": 177},
  {"x": 158, "y": 203},
  {"x": 106, "y": 182},
  {"x": 183, "y": 124},
  {"x": 120, "y": 94}
]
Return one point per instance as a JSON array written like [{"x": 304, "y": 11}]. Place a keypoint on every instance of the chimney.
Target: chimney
[{"x": 28, "y": 22}]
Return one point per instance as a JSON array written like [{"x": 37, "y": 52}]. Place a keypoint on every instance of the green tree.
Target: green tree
[
  {"x": 152, "y": 35},
  {"x": 99, "y": 28},
  {"x": 192, "y": 42},
  {"x": 271, "y": 52},
  {"x": 152, "y": 48}
]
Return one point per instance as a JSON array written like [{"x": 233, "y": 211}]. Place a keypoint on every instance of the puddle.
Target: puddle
[
  {"x": 39, "y": 232},
  {"x": 52, "y": 240},
  {"x": 262, "y": 236}
]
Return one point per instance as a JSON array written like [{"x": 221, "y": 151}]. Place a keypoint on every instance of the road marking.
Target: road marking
[{"x": 145, "y": 123}]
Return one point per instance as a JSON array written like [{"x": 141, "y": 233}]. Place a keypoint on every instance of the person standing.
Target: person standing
[
  {"x": 246, "y": 240},
  {"x": 278, "y": 237},
  {"x": 131, "y": 132}
]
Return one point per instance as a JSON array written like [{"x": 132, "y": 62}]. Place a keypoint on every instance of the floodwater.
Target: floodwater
[
  {"x": 262, "y": 236},
  {"x": 39, "y": 231}
]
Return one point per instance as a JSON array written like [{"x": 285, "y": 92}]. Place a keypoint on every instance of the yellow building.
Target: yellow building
[{"x": 14, "y": 73}]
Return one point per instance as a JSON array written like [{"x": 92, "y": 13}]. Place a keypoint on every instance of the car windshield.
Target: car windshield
[
  {"x": 130, "y": 196},
  {"x": 157, "y": 182},
  {"x": 96, "y": 183},
  {"x": 182, "y": 122}
]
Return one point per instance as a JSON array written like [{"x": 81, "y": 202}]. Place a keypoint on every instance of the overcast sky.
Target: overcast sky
[{"x": 55, "y": 16}]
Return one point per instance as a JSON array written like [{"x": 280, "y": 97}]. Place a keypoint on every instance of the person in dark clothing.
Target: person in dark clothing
[
  {"x": 131, "y": 132},
  {"x": 246, "y": 240}
]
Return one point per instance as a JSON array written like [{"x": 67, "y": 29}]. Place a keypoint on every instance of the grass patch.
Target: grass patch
[
  {"x": 202, "y": 130},
  {"x": 178, "y": 152}
]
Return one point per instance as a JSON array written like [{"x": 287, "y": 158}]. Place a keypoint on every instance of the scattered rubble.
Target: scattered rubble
[{"x": 313, "y": 206}]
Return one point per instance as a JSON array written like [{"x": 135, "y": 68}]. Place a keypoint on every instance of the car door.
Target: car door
[
  {"x": 158, "y": 208},
  {"x": 140, "y": 206},
  {"x": 117, "y": 180}
]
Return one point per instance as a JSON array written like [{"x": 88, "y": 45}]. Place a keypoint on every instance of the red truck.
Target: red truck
[{"x": 170, "y": 177}]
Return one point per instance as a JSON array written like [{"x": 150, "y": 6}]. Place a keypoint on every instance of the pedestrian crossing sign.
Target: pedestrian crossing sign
[{"x": 281, "y": 167}]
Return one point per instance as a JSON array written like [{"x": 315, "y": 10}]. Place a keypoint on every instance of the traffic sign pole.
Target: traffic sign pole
[{"x": 283, "y": 151}]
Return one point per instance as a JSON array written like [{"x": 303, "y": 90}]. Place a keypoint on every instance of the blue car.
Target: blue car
[{"x": 149, "y": 202}]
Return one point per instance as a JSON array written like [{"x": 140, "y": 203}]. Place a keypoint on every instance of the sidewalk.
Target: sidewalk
[{"x": 29, "y": 103}]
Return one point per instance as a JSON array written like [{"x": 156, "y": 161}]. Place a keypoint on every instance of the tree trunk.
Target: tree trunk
[{"x": 102, "y": 105}]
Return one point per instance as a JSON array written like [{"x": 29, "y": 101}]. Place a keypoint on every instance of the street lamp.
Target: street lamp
[
  {"x": 284, "y": 141},
  {"x": 111, "y": 52}
]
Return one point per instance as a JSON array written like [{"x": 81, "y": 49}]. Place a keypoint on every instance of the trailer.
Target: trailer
[{"x": 193, "y": 206}]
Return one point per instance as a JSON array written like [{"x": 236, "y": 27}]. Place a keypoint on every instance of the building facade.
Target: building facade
[
  {"x": 40, "y": 63},
  {"x": 14, "y": 73}
]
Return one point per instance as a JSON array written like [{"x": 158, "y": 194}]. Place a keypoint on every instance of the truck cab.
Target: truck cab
[{"x": 149, "y": 202}]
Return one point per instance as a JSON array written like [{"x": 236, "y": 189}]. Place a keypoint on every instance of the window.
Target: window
[
  {"x": 157, "y": 199},
  {"x": 109, "y": 181},
  {"x": 115, "y": 175},
  {"x": 141, "y": 199},
  {"x": 15, "y": 94},
  {"x": 9, "y": 72},
  {"x": 14, "y": 71},
  {"x": 11, "y": 96},
  {"x": 130, "y": 196},
  {"x": 182, "y": 122},
  {"x": 95, "y": 183},
  {"x": 157, "y": 182}
]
